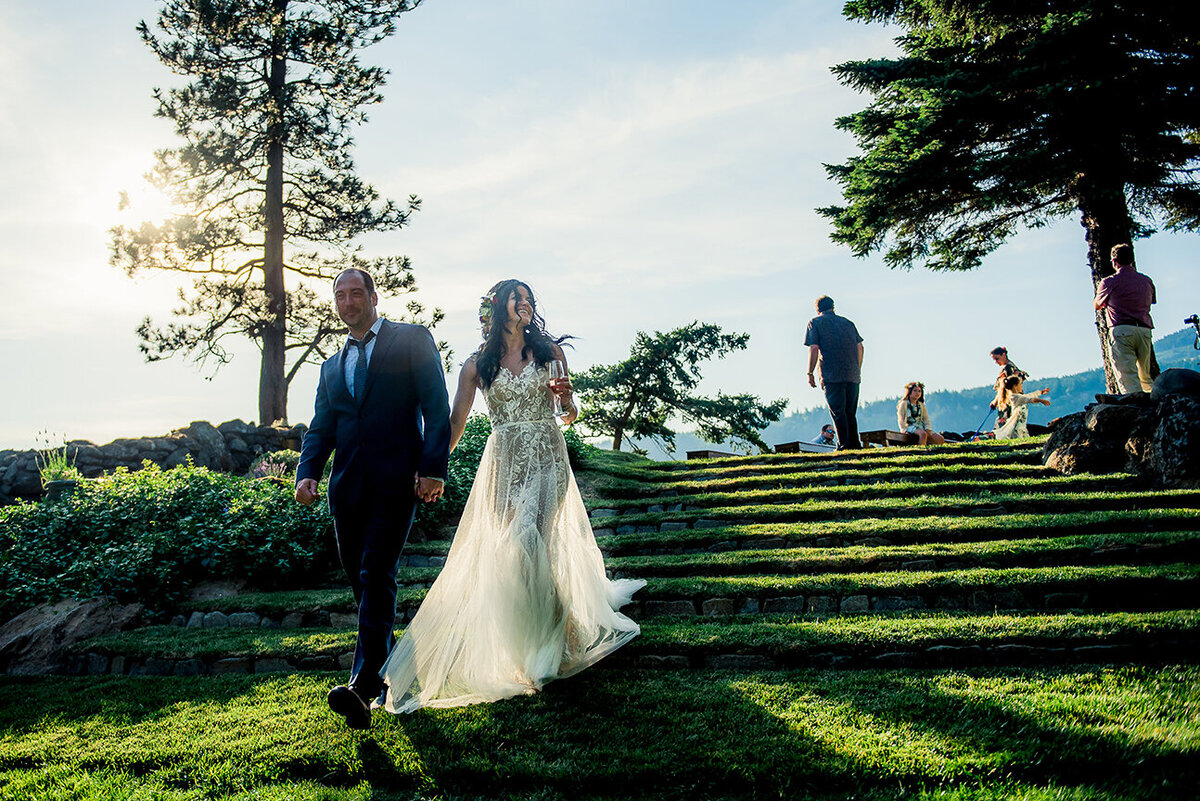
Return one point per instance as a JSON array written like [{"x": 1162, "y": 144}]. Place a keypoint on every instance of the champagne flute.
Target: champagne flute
[{"x": 558, "y": 372}]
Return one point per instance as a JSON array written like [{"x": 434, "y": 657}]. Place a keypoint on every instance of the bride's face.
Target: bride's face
[{"x": 520, "y": 306}]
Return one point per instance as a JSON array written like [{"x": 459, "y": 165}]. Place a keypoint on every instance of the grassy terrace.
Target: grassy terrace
[
  {"x": 770, "y": 635},
  {"x": 951, "y": 623}
]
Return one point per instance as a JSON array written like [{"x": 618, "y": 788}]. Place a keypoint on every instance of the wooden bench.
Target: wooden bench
[
  {"x": 884, "y": 437},
  {"x": 708, "y": 454},
  {"x": 806, "y": 447}
]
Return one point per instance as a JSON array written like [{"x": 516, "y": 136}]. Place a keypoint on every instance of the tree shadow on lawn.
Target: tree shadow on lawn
[
  {"x": 608, "y": 733},
  {"x": 690, "y": 735}
]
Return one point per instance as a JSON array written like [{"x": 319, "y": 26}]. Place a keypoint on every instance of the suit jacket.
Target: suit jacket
[{"x": 398, "y": 428}]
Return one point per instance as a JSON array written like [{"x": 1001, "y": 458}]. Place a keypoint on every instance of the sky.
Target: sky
[{"x": 639, "y": 164}]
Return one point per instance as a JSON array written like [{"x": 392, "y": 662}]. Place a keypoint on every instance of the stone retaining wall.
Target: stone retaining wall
[{"x": 230, "y": 447}]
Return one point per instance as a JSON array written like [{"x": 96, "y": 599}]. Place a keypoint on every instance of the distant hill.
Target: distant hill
[{"x": 963, "y": 410}]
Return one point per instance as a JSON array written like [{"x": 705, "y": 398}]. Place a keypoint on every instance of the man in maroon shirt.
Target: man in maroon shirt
[{"x": 1126, "y": 297}]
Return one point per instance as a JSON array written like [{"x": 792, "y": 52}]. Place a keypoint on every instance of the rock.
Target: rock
[
  {"x": 212, "y": 451},
  {"x": 823, "y": 604},
  {"x": 216, "y": 620},
  {"x": 317, "y": 663},
  {"x": 233, "y": 427},
  {"x": 709, "y": 523},
  {"x": 604, "y": 513},
  {"x": 793, "y": 605},
  {"x": 1176, "y": 381},
  {"x": 235, "y": 664},
  {"x": 855, "y": 603},
  {"x": 179, "y": 620},
  {"x": 195, "y": 620},
  {"x": 346, "y": 661},
  {"x": 190, "y": 667},
  {"x": 1171, "y": 456},
  {"x": 673, "y": 525},
  {"x": 343, "y": 620},
  {"x": 32, "y": 643},
  {"x": 956, "y": 654},
  {"x": 749, "y": 606},
  {"x": 680, "y": 607},
  {"x": 157, "y": 666},
  {"x": 739, "y": 662},
  {"x": 919, "y": 564},
  {"x": 95, "y": 664},
  {"x": 718, "y": 607},
  {"x": 271, "y": 664},
  {"x": 437, "y": 561},
  {"x": 292, "y": 620},
  {"x": 893, "y": 603},
  {"x": 268, "y": 623},
  {"x": 244, "y": 620}
]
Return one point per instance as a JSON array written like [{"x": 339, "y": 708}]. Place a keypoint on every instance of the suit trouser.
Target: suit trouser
[
  {"x": 842, "y": 397},
  {"x": 1131, "y": 349},
  {"x": 370, "y": 537}
]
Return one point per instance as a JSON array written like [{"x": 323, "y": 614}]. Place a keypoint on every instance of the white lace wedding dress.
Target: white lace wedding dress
[{"x": 522, "y": 598}]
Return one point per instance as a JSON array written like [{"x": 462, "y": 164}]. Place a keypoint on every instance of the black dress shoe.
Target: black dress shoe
[{"x": 347, "y": 703}]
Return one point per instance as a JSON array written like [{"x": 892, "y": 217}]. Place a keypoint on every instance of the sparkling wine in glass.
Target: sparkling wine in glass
[{"x": 558, "y": 371}]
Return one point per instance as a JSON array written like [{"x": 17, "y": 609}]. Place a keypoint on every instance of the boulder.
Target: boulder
[
  {"x": 1176, "y": 381},
  {"x": 1156, "y": 435},
  {"x": 212, "y": 452},
  {"x": 32, "y": 642}
]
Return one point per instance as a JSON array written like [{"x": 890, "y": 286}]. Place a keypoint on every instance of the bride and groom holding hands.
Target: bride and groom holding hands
[{"x": 523, "y": 597}]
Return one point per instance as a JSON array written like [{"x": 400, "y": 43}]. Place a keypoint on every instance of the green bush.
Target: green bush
[
  {"x": 152, "y": 534},
  {"x": 279, "y": 463}
]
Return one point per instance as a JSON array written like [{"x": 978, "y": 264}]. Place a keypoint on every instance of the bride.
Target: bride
[{"x": 522, "y": 598}]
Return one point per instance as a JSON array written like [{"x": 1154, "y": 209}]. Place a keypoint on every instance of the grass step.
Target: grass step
[
  {"x": 866, "y": 531},
  {"x": 1086, "y": 549},
  {"x": 893, "y": 531},
  {"x": 974, "y": 734},
  {"x": 773, "y": 641},
  {"x": 1109, "y": 587},
  {"x": 650, "y": 483},
  {"x": 909, "y": 505},
  {"x": 854, "y": 489}
]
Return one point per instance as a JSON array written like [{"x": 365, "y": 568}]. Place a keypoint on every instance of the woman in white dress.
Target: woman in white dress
[
  {"x": 523, "y": 597},
  {"x": 1012, "y": 397}
]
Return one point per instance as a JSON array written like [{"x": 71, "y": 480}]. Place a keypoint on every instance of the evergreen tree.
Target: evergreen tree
[
  {"x": 637, "y": 398},
  {"x": 1003, "y": 114},
  {"x": 274, "y": 89}
]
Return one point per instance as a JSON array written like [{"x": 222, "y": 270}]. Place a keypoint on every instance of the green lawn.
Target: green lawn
[{"x": 1090, "y": 733}]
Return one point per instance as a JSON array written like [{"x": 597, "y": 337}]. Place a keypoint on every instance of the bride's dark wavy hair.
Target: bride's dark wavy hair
[{"x": 493, "y": 314}]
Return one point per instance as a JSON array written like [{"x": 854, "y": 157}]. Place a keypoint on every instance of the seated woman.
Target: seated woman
[
  {"x": 913, "y": 418},
  {"x": 1011, "y": 396}
]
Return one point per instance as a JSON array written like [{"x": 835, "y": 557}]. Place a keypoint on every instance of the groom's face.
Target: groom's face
[{"x": 355, "y": 305}]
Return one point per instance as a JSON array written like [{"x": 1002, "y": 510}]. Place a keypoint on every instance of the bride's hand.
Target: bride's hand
[{"x": 561, "y": 387}]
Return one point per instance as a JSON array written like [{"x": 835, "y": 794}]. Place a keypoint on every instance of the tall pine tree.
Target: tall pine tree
[
  {"x": 274, "y": 89},
  {"x": 1004, "y": 114}
]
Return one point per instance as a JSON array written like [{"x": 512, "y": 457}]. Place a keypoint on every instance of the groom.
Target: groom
[{"x": 382, "y": 411}]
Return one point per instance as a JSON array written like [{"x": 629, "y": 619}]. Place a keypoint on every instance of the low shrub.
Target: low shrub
[{"x": 151, "y": 535}]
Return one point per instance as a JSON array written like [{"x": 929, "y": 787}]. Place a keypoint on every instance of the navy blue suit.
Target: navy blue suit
[{"x": 399, "y": 428}]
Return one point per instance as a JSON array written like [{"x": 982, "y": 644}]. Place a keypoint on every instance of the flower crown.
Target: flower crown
[{"x": 487, "y": 305}]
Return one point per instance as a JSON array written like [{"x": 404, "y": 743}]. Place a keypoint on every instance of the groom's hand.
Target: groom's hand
[
  {"x": 429, "y": 489},
  {"x": 306, "y": 491}
]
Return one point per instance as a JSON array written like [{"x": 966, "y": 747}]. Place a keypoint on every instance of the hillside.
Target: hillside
[
  {"x": 962, "y": 410},
  {"x": 957, "y": 623}
]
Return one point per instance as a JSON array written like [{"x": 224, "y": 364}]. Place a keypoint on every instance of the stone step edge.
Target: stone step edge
[
  {"x": 936, "y": 656},
  {"x": 1095, "y": 597}
]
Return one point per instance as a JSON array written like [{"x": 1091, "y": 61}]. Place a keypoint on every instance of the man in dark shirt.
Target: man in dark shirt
[
  {"x": 1126, "y": 297},
  {"x": 834, "y": 342}
]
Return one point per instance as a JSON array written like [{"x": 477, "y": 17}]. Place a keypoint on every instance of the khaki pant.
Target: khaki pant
[{"x": 1131, "y": 349}]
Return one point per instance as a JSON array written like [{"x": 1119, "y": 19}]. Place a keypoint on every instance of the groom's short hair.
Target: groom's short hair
[
  {"x": 824, "y": 303},
  {"x": 366, "y": 277}
]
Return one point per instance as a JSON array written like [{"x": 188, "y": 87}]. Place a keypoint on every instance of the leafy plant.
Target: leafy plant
[{"x": 54, "y": 463}]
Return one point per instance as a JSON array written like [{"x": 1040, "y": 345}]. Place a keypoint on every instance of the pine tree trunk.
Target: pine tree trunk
[
  {"x": 1106, "y": 222},
  {"x": 272, "y": 386},
  {"x": 620, "y": 432}
]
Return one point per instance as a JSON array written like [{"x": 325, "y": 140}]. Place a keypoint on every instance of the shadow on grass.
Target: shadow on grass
[{"x": 628, "y": 734}]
